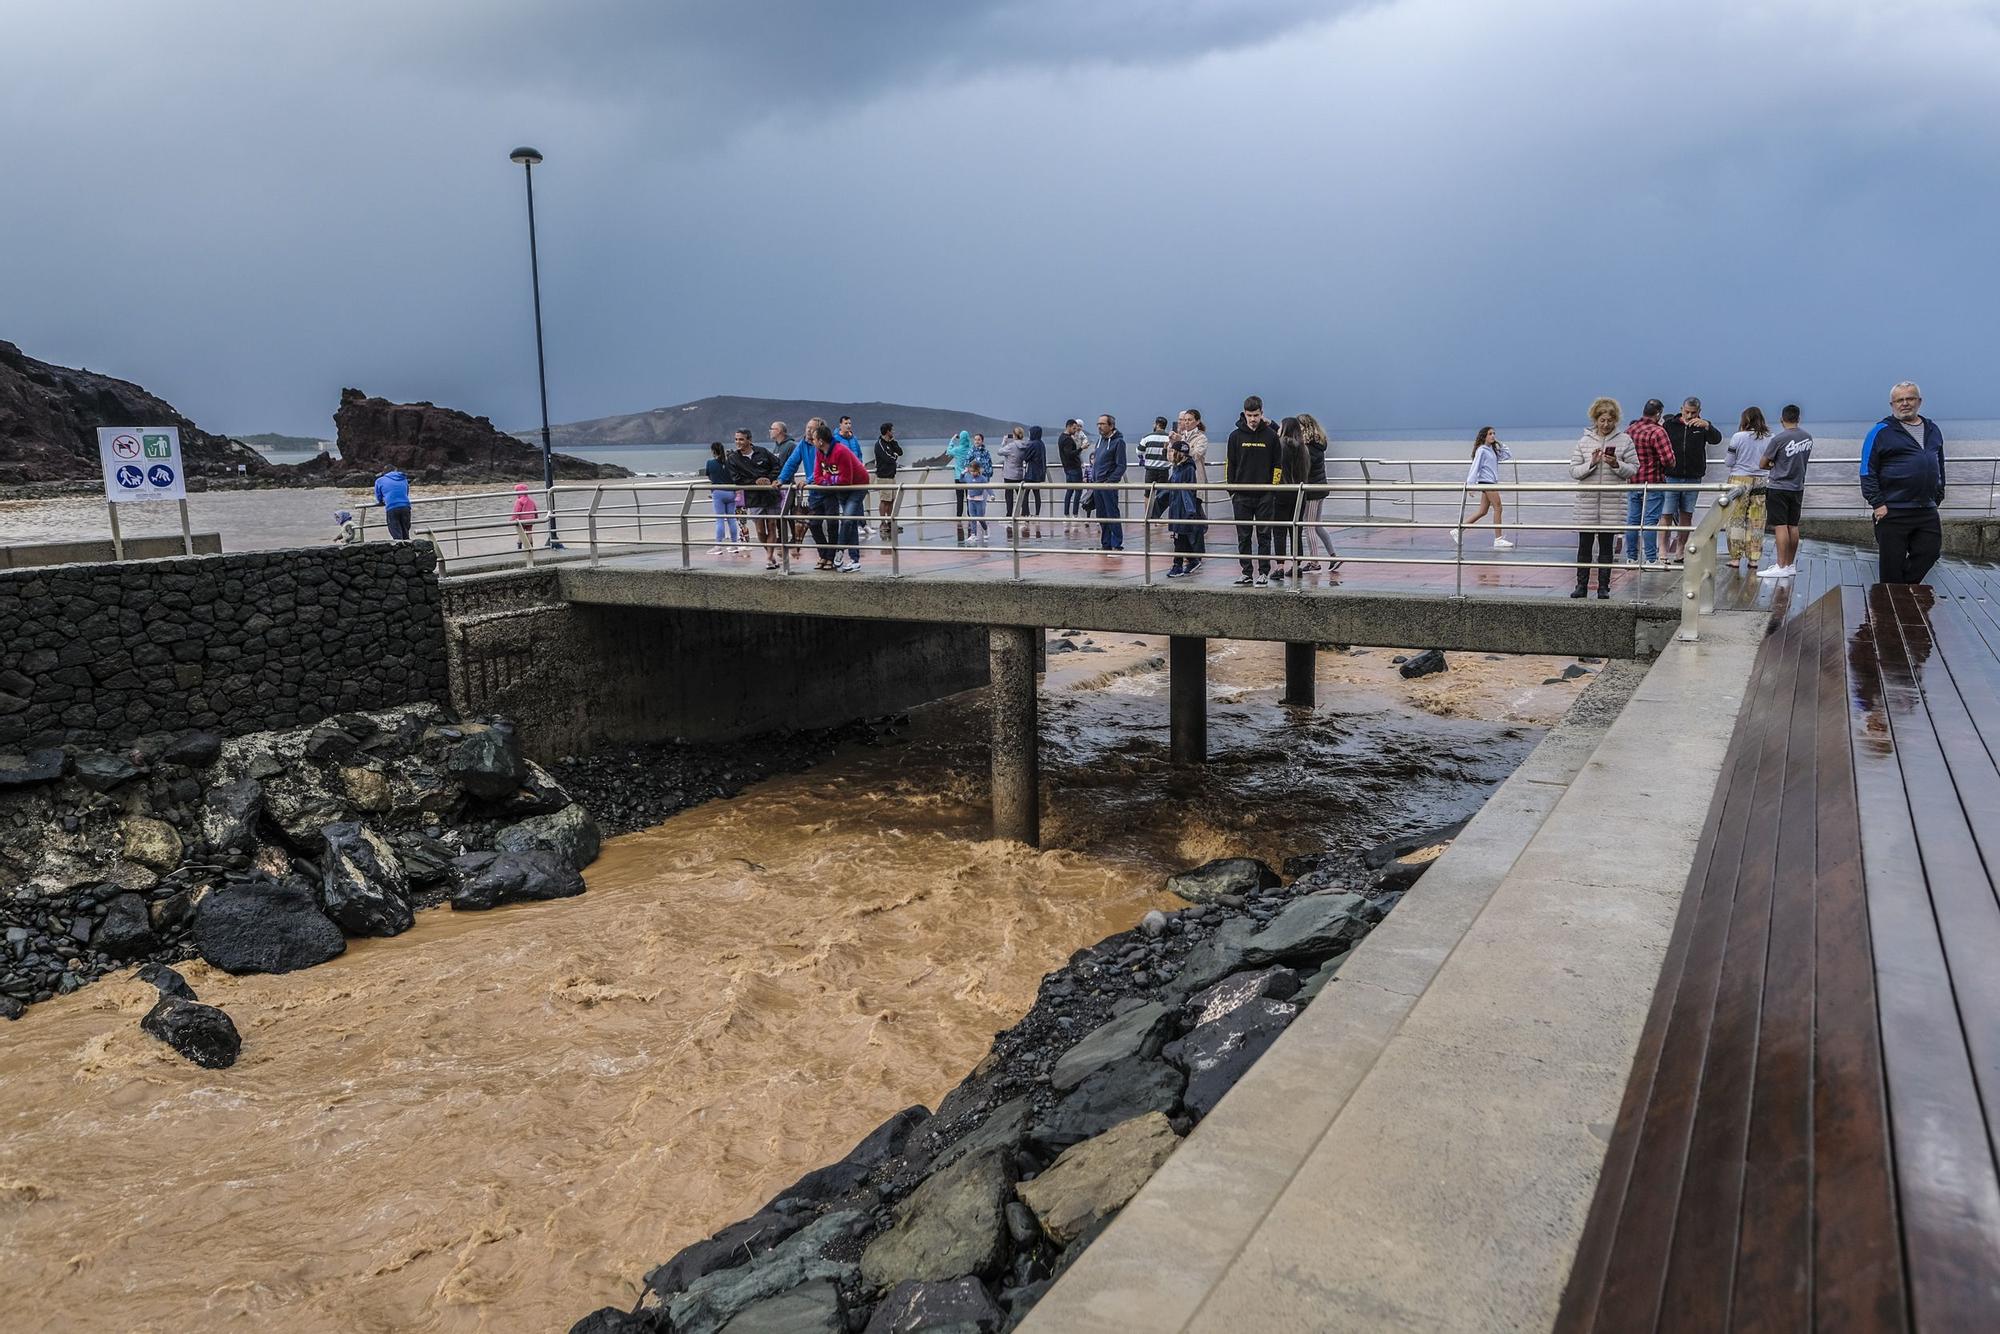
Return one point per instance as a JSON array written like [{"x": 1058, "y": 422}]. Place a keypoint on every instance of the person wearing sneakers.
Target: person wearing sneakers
[
  {"x": 1487, "y": 456},
  {"x": 722, "y": 495},
  {"x": 1745, "y": 468},
  {"x": 1902, "y": 479},
  {"x": 1786, "y": 456},
  {"x": 1252, "y": 461},
  {"x": 1188, "y": 523},
  {"x": 1654, "y": 451}
]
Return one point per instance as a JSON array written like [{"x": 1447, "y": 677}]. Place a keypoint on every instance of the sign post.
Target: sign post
[{"x": 142, "y": 463}]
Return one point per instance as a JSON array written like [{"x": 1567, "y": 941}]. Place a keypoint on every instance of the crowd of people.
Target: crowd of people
[{"x": 1636, "y": 488}]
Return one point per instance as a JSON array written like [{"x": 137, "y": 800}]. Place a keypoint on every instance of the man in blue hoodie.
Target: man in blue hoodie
[
  {"x": 1902, "y": 479},
  {"x": 392, "y": 493}
]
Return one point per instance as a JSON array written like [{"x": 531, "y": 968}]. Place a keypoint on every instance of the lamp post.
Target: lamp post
[{"x": 528, "y": 158}]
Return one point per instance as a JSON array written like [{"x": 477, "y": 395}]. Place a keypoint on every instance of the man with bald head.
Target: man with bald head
[{"x": 1902, "y": 479}]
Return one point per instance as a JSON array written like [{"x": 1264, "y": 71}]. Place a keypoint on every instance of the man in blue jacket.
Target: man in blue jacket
[
  {"x": 1107, "y": 464},
  {"x": 1902, "y": 479},
  {"x": 392, "y": 493}
]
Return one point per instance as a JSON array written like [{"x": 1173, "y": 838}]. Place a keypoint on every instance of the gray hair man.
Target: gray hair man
[{"x": 1902, "y": 479}]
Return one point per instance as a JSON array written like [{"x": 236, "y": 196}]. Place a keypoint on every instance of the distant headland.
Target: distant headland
[{"x": 716, "y": 417}]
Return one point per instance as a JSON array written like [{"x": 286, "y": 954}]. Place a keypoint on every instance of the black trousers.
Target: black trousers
[
  {"x": 1583, "y": 541},
  {"x": 1908, "y": 542},
  {"x": 1248, "y": 505}
]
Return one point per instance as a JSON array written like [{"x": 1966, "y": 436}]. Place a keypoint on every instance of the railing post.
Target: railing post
[
  {"x": 687, "y": 499},
  {"x": 1458, "y": 545},
  {"x": 454, "y": 527},
  {"x": 1014, "y": 539},
  {"x": 1146, "y": 529},
  {"x": 595, "y": 497},
  {"x": 1367, "y": 490},
  {"x": 896, "y": 527},
  {"x": 1299, "y": 539}
]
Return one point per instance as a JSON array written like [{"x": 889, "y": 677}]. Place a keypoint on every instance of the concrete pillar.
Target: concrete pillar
[
  {"x": 1187, "y": 703},
  {"x": 1017, "y": 812},
  {"x": 1301, "y": 664}
]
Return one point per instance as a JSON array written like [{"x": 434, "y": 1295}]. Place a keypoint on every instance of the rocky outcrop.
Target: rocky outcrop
[
  {"x": 433, "y": 443},
  {"x": 49, "y": 417},
  {"x": 202, "y": 1033}
]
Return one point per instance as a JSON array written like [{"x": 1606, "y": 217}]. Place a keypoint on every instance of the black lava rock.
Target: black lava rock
[
  {"x": 37, "y": 766},
  {"x": 202, "y": 1033},
  {"x": 489, "y": 879},
  {"x": 196, "y": 750},
  {"x": 229, "y": 814},
  {"x": 100, "y": 771},
  {"x": 1430, "y": 660},
  {"x": 127, "y": 929},
  {"x": 362, "y": 885},
  {"x": 1119, "y": 1092},
  {"x": 960, "y": 1307},
  {"x": 261, "y": 925},
  {"x": 167, "y": 980}
]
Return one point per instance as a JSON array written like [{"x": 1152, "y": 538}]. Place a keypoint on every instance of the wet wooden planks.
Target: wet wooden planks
[{"x": 1808, "y": 1136}]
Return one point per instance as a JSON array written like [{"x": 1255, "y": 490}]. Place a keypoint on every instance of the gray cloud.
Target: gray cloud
[{"x": 1429, "y": 211}]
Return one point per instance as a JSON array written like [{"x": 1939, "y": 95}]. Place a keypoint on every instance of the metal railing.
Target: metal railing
[{"x": 611, "y": 519}]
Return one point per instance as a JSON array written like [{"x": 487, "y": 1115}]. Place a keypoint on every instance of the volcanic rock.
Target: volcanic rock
[
  {"x": 1311, "y": 926},
  {"x": 1137, "y": 1032},
  {"x": 483, "y": 758},
  {"x": 835, "y": 1180},
  {"x": 736, "y": 1244},
  {"x": 374, "y": 435},
  {"x": 37, "y": 766},
  {"x": 570, "y": 833},
  {"x": 261, "y": 925},
  {"x": 169, "y": 982},
  {"x": 229, "y": 814},
  {"x": 1216, "y": 1054},
  {"x": 1098, "y": 1177},
  {"x": 127, "y": 929},
  {"x": 1430, "y": 660},
  {"x": 962, "y": 1307},
  {"x": 1238, "y": 990},
  {"x": 195, "y": 750},
  {"x": 810, "y": 1308},
  {"x": 1227, "y": 875},
  {"x": 362, "y": 885},
  {"x": 487, "y": 879},
  {"x": 711, "y": 1301},
  {"x": 100, "y": 771},
  {"x": 152, "y": 843},
  {"x": 953, "y": 1225},
  {"x": 1003, "y": 1128},
  {"x": 1125, "y": 1089},
  {"x": 202, "y": 1033}
]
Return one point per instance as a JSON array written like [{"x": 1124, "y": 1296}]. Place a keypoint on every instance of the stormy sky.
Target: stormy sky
[{"x": 1398, "y": 213}]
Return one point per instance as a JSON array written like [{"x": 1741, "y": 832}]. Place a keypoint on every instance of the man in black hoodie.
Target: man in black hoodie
[
  {"x": 1253, "y": 461},
  {"x": 887, "y": 450}
]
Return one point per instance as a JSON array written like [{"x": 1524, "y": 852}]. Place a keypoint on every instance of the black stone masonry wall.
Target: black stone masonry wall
[{"x": 230, "y": 643}]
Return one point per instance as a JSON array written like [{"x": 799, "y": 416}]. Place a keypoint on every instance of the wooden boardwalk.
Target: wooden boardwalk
[{"x": 1808, "y": 1137}]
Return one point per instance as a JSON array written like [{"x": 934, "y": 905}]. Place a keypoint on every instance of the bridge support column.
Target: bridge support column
[
  {"x": 1301, "y": 666},
  {"x": 1187, "y": 698},
  {"x": 1017, "y": 813}
]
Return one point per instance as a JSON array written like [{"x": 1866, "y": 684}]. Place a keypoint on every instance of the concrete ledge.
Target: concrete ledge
[
  {"x": 93, "y": 551},
  {"x": 1419, "y": 1149},
  {"x": 1619, "y": 628}
]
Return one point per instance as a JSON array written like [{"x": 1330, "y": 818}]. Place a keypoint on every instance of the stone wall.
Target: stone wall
[
  {"x": 91, "y": 654},
  {"x": 574, "y": 678}
]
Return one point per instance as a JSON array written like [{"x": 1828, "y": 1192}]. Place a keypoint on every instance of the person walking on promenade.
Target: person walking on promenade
[
  {"x": 1745, "y": 468},
  {"x": 1187, "y": 526},
  {"x": 1603, "y": 459},
  {"x": 525, "y": 514},
  {"x": 975, "y": 504},
  {"x": 722, "y": 499},
  {"x": 1036, "y": 459},
  {"x": 1107, "y": 465},
  {"x": 888, "y": 449},
  {"x": 754, "y": 469},
  {"x": 1316, "y": 493},
  {"x": 1153, "y": 458},
  {"x": 1902, "y": 479},
  {"x": 1487, "y": 456},
  {"x": 958, "y": 450},
  {"x": 1287, "y": 507},
  {"x": 1252, "y": 460},
  {"x": 1013, "y": 470},
  {"x": 1691, "y": 434},
  {"x": 1069, "y": 452},
  {"x": 392, "y": 493},
  {"x": 1654, "y": 449},
  {"x": 1786, "y": 456}
]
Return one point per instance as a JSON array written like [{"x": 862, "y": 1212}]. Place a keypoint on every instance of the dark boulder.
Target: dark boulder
[
  {"x": 961, "y": 1307},
  {"x": 261, "y": 925},
  {"x": 1241, "y": 876},
  {"x": 739, "y": 1243},
  {"x": 484, "y": 758},
  {"x": 127, "y": 929},
  {"x": 1238, "y": 990},
  {"x": 196, "y": 750},
  {"x": 229, "y": 815},
  {"x": 878, "y": 1146},
  {"x": 362, "y": 885},
  {"x": 329, "y": 743},
  {"x": 199, "y": 1032},
  {"x": 570, "y": 833},
  {"x": 1390, "y": 849},
  {"x": 1140, "y": 1031},
  {"x": 1430, "y": 660},
  {"x": 37, "y": 766},
  {"x": 1311, "y": 927},
  {"x": 169, "y": 982},
  {"x": 819, "y": 1250},
  {"x": 11, "y": 1008},
  {"x": 538, "y": 794},
  {"x": 1004, "y": 1128},
  {"x": 488, "y": 879},
  {"x": 426, "y": 861},
  {"x": 100, "y": 771},
  {"x": 952, "y": 1225},
  {"x": 809, "y": 1308},
  {"x": 1216, "y": 1054},
  {"x": 611, "y": 1320},
  {"x": 1115, "y": 1094}
]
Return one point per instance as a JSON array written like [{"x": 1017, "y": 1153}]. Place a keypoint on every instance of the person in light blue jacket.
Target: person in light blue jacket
[{"x": 1487, "y": 456}]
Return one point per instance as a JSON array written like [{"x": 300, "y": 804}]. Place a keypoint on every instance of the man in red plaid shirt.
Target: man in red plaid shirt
[{"x": 1656, "y": 452}]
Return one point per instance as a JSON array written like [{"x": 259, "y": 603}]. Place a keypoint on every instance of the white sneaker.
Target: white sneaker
[
  {"x": 1776, "y": 572},
  {"x": 1501, "y": 544},
  {"x": 715, "y": 551},
  {"x": 1657, "y": 565},
  {"x": 1454, "y": 534}
]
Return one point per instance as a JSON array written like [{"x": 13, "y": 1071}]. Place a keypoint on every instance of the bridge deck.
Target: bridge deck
[{"x": 1808, "y": 1136}]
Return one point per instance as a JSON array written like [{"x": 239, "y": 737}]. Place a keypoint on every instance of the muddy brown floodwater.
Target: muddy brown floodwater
[{"x": 499, "y": 1121}]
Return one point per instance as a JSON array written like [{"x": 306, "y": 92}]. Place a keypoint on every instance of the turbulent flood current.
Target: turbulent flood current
[{"x": 498, "y": 1121}]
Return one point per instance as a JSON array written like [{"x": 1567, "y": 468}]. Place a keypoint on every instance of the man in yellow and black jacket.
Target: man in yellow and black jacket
[{"x": 1253, "y": 461}]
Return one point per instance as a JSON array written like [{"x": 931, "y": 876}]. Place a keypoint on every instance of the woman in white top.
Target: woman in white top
[
  {"x": 1745, "y": 517},
  {"x": 1487, "y": 456}
]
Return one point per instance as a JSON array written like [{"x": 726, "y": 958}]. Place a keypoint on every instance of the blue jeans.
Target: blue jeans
[
  {"x": 726, "y": 527},
  {"x": 1643, "y": 508},
  {"x": 853, "y": 504},
  {"x": 1111, "y": 533},
  {"x": 1073, "y": 497}
]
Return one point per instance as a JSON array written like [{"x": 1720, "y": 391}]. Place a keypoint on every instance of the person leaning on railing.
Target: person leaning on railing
[
  {"x": 755, "y": 470},
  {"x": 1603, "y": 460}
]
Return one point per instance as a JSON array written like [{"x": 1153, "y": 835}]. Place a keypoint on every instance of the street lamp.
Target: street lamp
[{"x": 528, "y": 158}]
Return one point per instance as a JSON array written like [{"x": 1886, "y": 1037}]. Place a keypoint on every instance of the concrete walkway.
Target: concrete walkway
[{"x": 1419, "y": 1149}]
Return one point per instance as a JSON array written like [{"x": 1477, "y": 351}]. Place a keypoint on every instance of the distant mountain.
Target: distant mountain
[{"x": 717, "y": 418}]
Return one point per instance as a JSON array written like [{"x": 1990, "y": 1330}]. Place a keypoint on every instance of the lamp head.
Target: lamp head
[{"x": 527, "y": 157}]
